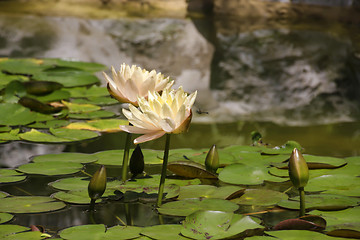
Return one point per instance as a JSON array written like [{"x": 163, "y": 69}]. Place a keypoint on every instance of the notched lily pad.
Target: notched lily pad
[
  {"x": 51, "y": 168},
  {"x": 10, "y": 175},
  {"x": 29, "y": 204},
  {"x": 65, "y": 157},
  {"x": 190, "y": 169}
]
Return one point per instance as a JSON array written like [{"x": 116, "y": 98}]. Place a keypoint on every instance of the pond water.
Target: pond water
[{"x": 292, "y": 81}]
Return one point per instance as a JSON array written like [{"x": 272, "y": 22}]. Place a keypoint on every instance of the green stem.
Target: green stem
[
  {"x": 163, "y": 170},
  {"x": 125, "y": 164},
  {"x": 92, "y": 205},
  {"x": 302, "y": 201}
]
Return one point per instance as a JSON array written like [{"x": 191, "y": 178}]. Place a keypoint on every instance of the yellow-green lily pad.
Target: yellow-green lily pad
[
  {"x": 5, "y": 217},
  {"x": 10, "y": 175},
  {"x": 164, "y": 232},
  {"x": 65, "y": 157},
  {"x": 101, "y": 125},
  {"x": 209, "y": 191},
  {"x": 260, "y": 197},
  {"x": 92, "y": 115},
  {"x": 29, "y": 204},
  {"x": 51, "y": 168}
]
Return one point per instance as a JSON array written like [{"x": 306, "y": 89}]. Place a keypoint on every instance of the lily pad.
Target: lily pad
[
  {"x": 344, "y": 219},
  {"x": 5, "y": 217},
  {"x": 260, "y": 197},
  {"x": 216, "y": 225},
  {"x": 247, "y": 175},
  {"x": 22, "y": 66},
  {"x": 190, "y": 169},
  {"x": 65, "y": 157},
  {"x": 80, "y": 108},
  {"x": 49, "y": 124},
  {"x": 29, "y": 204},
  {"x": 73, "y": 183},
  {"x": 122, "y": 232},
  {"x": 55, "y": 96},
  {"x": 100, "y": 101},
  {"x": 10, "y": 175},
  {"x": 187, "y": 206},
  {"x": 164, "y": 232},
  {"x": 300, "y": 235},
  {"x": 68, "y": 79},
  {"x": 101, "y": 125},
  {"x": 318, "y": 162},
  {"x": 84, "y": 92},
  {"x": 335, "y": 184},
  {"x": 320, "y": 202},
  {"x": 13, "y": 114},
  {"x": 8, "y": 229},
  {"x": 51, "y": 168},
  {"x": 76, "y": 197},
  {"x": 83, "y": 66},
  {"x": 115, "y": 157},
  {"x": 209, "y": 191},
  {"x": 92, "y": 115},
  {"x": 10, "y": 136},
  {"x": 3, "y": 194}
]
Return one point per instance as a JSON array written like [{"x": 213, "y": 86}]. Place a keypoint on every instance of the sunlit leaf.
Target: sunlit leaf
[
  {"x": 190, "y": 169},
  {"x": 14, "y": 114},
  {"x": 84, "y": 66},
  {"x": 68, "y": 79},
  {"x": 80, "y": 108},
  {"x": 7, "y": 229},
  {"x": 101, "y": 125},
  {"x": 29, "y": 204},
  {"x": 122, "y": 232},
  {"x": 209, "y": 191},
  {"x": 51, "y": 168},
  {"x": 187, "y": 206},
  {"x": 22, "y": 66},
  {"x": 84, "y": 232},
  {"x": 10, "y": 136},
  {"x": 92, "y": 115},
  {"x": 216, "y": 225}
]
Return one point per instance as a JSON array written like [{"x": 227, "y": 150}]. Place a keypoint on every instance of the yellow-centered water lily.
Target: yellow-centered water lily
[
  {"x": 168, "y": 112},
  {"x": 130, "y": 82}
]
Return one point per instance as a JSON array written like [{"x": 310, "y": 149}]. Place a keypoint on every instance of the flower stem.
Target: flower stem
[
  {"x": 302, "y": 201},
  {"x": 163, "y": 171},
  {"x": 126, "y": 158}
]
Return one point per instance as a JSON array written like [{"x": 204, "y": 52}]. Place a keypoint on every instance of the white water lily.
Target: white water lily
[
  {"x": 129, "y": 83},
  {"x": 169, "y": 112}
]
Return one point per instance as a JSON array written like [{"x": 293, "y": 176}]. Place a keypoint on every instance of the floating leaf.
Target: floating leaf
[
  {"x": 14, "y": 114},
  {"x": 209, "y": 191},
  {"x": 3, "y": 194},
  {"x": 321, "y": 202},
  {"x": 73, "y": 183},
  {"x": 122, "y": 233},
  {"x": 80, "y": 108},
  {"x": 190, "y": 169},
  {"x": 92, "y": 115},
  {"x": 10, "y": 136},
  {"x": 344, "y": 219},
  {"x": 187, "y": 206},
  {"x": 65, "y": 157},
  {"x": 57, "y": 95},
  {"x": 335, "y": 184},
  {"x": 68, "y": 79},
  {"x": 84, "y": 66},
  {"x": 51, "y": 168},
  {"x": 5, "y": 217},
  {"x": 164, "y": 232},
  {"x": 299, "y": 235},
  {"x": 22, "y": 66},
  {"x": 247, "y": 175},
  {"x": 260, "y": 197},
  {"x": 84, "y": 92},
  {"x": 101, "y": 125},
  {"x": 318, "y": 162},
  {"x": 76, "y": 197},
  {"x": 299, "y": 224},
  {"x": 10, "y": 175},
  {"x": 101, "y": 101},
  {"x": 7, "y": 229},
  {"x": 29, "y": 204},
  {"x": 49, "y": 124},
  {"x": 115, "y": 157},
  {"x": 216, "y": 225},
  {"x": 287, "y": 148},
  {"x": 84, "y": 232}
]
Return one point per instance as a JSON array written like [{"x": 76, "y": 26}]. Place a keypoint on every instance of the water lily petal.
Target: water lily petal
[
  {"x": 134, "y": 129},
  {"x": 149, "y": 137}
]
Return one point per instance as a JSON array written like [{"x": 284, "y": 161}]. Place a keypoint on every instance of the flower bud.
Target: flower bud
[
  {"x": 97, "y": 184},
  {"x": 136, "y": 162},
  {"x": 298, "y": 169},
  {"x": 212, "y": 160}
]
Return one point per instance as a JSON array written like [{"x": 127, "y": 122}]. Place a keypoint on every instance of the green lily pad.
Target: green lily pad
[
  {"x": 100, "y": 101},
  {"x": 216, "y": 225},
  {"x": 84, "y": 92},
  {"x": 318, "y": 162},
  {"x": 32, "y": 235},
  {"x": 65, "y": 157},
  {"x": 320, "y": 202},
  {"x": 300, "y": 235},
  {"x": 101, "y": 125},
  {"x": 10, "y": 136},
  {"x": 73, "y": 183},
  {"x": 247, "y": 175},
  {"x": 115, "y": 157},
  {"x": 5, "y": 217},
  {"x": 57, "y": 95},
  {"x": 51, "y": 168},
  {"x": 5, "y": 129},
  {"x": 83, "y": 66},
  {"x": 155, "y": 179},
  {"x": 344, "y": 219},
  {"x": 284, "y": 149},
  {"x": 22, "y": 66},
  {"x": 209, "y": 191},
  {"x": 8, "y": 229},
  {"x": 76, "y": 197},
  {"x": 335, "y": 184},
  {"x": 171, "y": 190},
  {"x": 84, "y": 232},
  {"x": 68, "y": 79},
  {"x": 92, "y": 115},
  {"x": 3, "y": 194},
  {"x": 29, "y": 204},
  {"x": 10, "y": 175},
  {"x": 187, "y": 206},
  {"x": 122, "y": 232},
  {"x": 13, "y": 114},
  {"x": 260, "y": 197},
  {"x": 80, "y": 108},
  {"x": 164, "y": 232}
]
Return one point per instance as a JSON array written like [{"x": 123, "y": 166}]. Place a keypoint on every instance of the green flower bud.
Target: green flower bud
[
  {"x": 212, "y": 160},
  {"x": 97, "y": 184},
  {"x": 136, "y": 164},
  {"x": 298, "y": 169}
]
